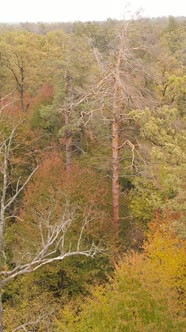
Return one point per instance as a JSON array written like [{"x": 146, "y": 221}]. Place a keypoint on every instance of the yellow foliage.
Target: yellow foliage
[{"x": 161, "y": 267}]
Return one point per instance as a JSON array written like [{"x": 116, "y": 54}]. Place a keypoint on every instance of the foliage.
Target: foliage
[
  {"x": 64, "y": 76},
  {"x": 161, "y": 168},
  {"x": 46, "y": 199},
  {"x": 21, "y": 58},
  {"x": 146, "y": 293}
]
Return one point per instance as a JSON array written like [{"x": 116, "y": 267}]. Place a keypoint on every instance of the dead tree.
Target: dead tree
[{"x": 119, "y": 91}]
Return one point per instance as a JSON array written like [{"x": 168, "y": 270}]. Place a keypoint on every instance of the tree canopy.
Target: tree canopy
[{"x": 92, "y": 176}]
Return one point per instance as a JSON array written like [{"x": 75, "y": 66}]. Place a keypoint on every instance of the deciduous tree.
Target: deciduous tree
[{"x": 52, "y": 226}]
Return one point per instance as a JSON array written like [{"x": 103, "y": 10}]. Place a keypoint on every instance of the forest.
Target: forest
[{"x": 93, "y": 176}]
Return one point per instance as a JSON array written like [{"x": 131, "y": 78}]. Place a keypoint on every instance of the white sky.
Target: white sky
[{"x": 84, "y": 10}]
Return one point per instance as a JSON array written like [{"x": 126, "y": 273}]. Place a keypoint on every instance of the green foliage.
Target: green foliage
[
  {"x": 46, "y": 119},
  {"x": 25, "y": 302},
  {"x": 22, "y": 59},
  {"x": 100, "y": 34},
  {"x": 55, "y": 75},
  {"x": 162, "y": 138},
  {"x": 145, "y": 200}
]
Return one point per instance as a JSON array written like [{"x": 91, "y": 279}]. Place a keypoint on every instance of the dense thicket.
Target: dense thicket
[{"x": 92, "y": 176}]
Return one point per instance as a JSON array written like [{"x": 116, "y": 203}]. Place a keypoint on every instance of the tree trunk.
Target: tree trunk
[
  {"x": 116, "y": 107},
  {"x": 1, "y": 239},
  {"x": 1, "y": 310},
  {"x": 1, "y": 264},
  {"x": 21, "y": 96},
  {"x": 68, "y": 148},
  {"x": 115, "y": 172},
  {"x": 1, "y": 257},
  {"x": 68, "y": 143}
]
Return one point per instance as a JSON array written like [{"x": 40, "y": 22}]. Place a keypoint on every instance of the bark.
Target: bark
[
  {"x": 20, "y": 85},
  {"x": 115, "y": 172},
  {"x": 1, "y": 310},
  {"x": 68, "y": 147},
  {"x": 1, "y": 230},
  {"x": 68, "y": 143},
  {"x": 1, "y": 261},
  {"x": 21, "y": 97},
  {"x": 117, "y": 97},
  {"x": 20, "y": 88}
]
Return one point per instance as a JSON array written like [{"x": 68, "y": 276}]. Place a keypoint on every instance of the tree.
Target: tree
[
  {"x": 52, "y": 246},
  {"x": 161, "y": 179},
  {"x": 101, "y": 34},
  {"x": 74, "y": 74},
  {"x": 125, "y": 86},
  {"x": 21, "y": 59},
  {"x": 120, "y": 89},
  {"x": 145, "y": 293}
]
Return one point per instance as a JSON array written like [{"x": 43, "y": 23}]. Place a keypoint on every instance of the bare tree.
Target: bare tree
[{"x": 119, "y": 90}]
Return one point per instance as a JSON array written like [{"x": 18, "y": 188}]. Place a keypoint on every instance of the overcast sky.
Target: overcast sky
[{"x": 84, "y": 10}]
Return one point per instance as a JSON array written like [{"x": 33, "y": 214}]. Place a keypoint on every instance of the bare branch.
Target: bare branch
[
  {"x": 13, "y": 198},
  {"x": 32, "y": 323},
  {"x": 37, "y": 264},
  {"x": 96, "y": 54},
  {"x": 52, "y": 244}
]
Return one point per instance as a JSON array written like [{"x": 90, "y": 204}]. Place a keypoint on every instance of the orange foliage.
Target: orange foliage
[
  {"x": 49, "y": 190},
  {"x": 44, "y": 95}
]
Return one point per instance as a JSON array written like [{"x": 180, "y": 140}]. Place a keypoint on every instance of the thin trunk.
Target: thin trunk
[
  {"x": 68, "y": 143},
  {"x": 2, "y": 203},
  {"x": 116, "y": 105},
  {"x": 68, "y": 148},
  {"x": 115, "y": 172},
  {"x": 115, "y": 150},
  {"x": 21, "y": 96},
  {"x": 1, "y": 241},
  {"x": 20, "y": 85},
  {"x": 1, "y": 310},
  {"x": 2, "y": 224},
  {"x": 1, "y": 247},
  {"x": 21, "y": 88}
]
